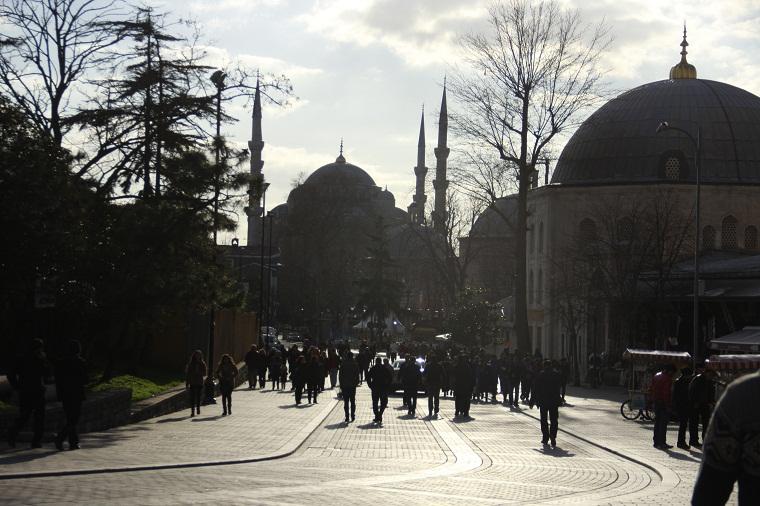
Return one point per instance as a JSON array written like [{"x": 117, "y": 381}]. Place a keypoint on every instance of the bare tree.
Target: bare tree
[
  {"x": 449, "y": 257},
  {"x": 623, "y": 259},
  {"x": 529, "y": 78},
  {"x": 48, "y": 47}
]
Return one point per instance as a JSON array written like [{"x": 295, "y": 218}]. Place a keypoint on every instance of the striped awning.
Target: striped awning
[
  {"x": 733, "y": 362},
  {"x": 657, "y": 356}
]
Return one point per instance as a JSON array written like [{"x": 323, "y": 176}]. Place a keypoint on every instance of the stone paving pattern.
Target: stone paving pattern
[{"x": 495, "y": 458}]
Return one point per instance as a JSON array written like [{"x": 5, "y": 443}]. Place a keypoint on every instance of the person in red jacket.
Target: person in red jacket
[{"x": 662, "y": 385}]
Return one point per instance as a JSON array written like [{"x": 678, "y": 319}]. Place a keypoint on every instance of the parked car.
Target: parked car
[{"x": 396, "y": 384}]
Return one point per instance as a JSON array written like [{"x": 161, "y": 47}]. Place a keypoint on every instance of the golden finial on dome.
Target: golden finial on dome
[
  {"x": 341, "y": 158},
  {"x": 684, "y": 69}
]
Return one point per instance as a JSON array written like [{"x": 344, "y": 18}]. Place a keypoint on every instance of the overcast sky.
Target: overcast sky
[{"x": 363, "y": 68}]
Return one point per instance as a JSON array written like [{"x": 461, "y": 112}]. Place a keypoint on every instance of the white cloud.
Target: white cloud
[
  {"x": 421, "y": 33},
  {"x": 220, "y": 57}
]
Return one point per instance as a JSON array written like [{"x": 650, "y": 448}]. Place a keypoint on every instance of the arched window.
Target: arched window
[
  {"x": 708, "y": 237},
  {"x": 540, "y": 287},
  {"x": 625, "y": 230},
  {"x": 672, "y": 168},
  {"x": 541, "y": 237},
  {"x": 531, "y": 288},
  {"x": 750, "y": 237},
  {"x": 587, "y": 230},
  {"x": 728, "y": 233}
]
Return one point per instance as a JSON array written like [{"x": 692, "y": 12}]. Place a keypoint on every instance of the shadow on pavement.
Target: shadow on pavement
[
  {"x": 368, "y": 426},
  {"x": 553, "y": 452},
  {"x": 178, "y": 419},
  {"x": 207, "y": 418},
  {"x": 20, "y": 455},
  {"x": 465, "y": 419},
  {"x": 681, "y": 456},
  {"x": 334, "y": 426}
]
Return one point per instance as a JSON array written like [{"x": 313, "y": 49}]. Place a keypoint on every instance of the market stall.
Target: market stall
[{"x": 643, "y": 364}]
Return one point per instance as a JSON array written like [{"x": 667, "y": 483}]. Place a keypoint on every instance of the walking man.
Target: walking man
[
  {"x": 251, "y": 363},
  {"x": 410, "y": 380},
  {"x": 70, "y": 381},
  {"x": 661, "y": 396},
  {"x": 464, "y": 383},
  {"x": 433, "y": 381},
  {"x": 547, "y": 395},
  {"x": 28, "y": 376},
  {"x": 701, "y": 399},
  {"x": 681, "y": 405},
  {"x": 349, "y": 379},
  {"x": 379, "y": 379}
]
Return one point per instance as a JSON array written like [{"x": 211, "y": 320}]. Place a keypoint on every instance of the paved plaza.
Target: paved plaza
[{"x": 271, "y": 452}]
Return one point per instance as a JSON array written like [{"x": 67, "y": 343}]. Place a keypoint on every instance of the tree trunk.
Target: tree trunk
[{"x": 521, "y": 300}]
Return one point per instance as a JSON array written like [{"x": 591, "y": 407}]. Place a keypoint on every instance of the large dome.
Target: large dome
[
  {"x": 618, "y": 144},
  {"x": 339, "y": 173}
]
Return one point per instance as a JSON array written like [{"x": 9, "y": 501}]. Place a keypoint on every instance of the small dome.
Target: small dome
[{"x": 491, "y": 223}]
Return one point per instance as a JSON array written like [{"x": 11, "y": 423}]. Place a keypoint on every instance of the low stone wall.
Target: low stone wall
[
  {"x": 100, "y": 411},
  {"x": 173, "y": 400},
  {"x": 111, "y": 408}
]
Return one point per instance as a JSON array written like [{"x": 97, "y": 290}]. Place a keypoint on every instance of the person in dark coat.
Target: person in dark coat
[
  {"x": 464, "y": 383},
  {"x": 227, "y": 372},
  {"x": 410, "y": 380},
  {"x": 261, "y": 367},
  {"x": 502, "y": 370},
  {"x": 681, "y": 405},
  {"x": 348, "y": 377},
  {"x": 195, "y": 372},
  {"x": 298, "y": 377},
  {"x": 252, "y": 364},
  {"x": 434, "y": 378},
  {"x": 70, "y": 381},
  {"x": 29, "y": 375},
  {"x": 315, "y": 374},
  {"x": 379, "y": 379},
  {"x": 701, "y": 399},
  {"x": 487, "y": 381},
  {"x": 515, "y": 375},
  {"x": 547, "y": 395}
]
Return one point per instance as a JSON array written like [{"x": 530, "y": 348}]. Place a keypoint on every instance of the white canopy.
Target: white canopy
[
  {"x": 392, "y": 325},
  {"x": 746, "y": 340}
]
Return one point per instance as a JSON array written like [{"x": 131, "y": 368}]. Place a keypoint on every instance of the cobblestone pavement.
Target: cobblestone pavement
[
  {"x": 495, "y": 458},
  {"x": 263, "y": 423}
]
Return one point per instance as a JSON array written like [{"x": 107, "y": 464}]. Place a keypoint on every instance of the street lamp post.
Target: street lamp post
[
  {"x": 697, "y": 142},
  {"x": 261, "y": 258},
  {"x": 218, "y": 79},
  {"x": 269, "y": 272}
]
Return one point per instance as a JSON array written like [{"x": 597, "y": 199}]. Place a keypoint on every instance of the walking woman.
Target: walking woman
[
  {"x": 227, "y": 371},
  {"x": 194, "y": 374}
]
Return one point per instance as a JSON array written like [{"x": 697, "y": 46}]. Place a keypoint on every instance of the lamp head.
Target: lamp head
[{"x": 662, "y": 126}]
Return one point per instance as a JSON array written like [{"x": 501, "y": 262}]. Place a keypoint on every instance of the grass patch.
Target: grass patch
[
  {"x": 7, "y": 408},
  {"x": 144, "y": 384}
]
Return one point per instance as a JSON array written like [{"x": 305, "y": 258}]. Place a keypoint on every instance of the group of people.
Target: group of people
[
  {"x": 195, "y": 372},
  {"x": 690, "y": 398},
  {"x": 30, "y": 374}
]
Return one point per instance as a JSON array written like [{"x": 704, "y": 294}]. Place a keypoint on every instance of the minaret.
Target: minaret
[
  {"x": 417, "y": 209},
  {"x": 440, "y": 184},
  {"x": 255, "y": 146}
]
